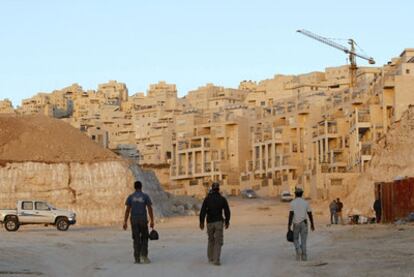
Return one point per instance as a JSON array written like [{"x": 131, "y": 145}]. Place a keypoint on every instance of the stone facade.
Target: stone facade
[{"x": 311, "y": 130}]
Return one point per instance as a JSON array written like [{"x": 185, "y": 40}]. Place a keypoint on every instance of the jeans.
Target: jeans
[
  {"x": 215, "y": 240},
  {"x": 300, "y": 230},
  {"x": 334, "y": 217},
  {"x": 140, "y": 235}
]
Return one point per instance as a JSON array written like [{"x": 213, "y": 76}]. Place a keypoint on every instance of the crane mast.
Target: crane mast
[{"x": 350, "y": 52}]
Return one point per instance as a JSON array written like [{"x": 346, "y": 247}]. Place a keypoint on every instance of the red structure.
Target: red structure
[{"x": 397, "y": 199}]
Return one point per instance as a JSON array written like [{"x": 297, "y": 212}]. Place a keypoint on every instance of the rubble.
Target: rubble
[{"x": 393, "y": 156}]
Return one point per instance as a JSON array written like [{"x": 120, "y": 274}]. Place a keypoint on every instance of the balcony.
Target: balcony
[
  {"x": 207, "y": 167},
  {"x": 366, "y": 148},
  {"x": 216, "y": 166},
  {"x": 249, "y": 166},
  {"x": 182, "y": 145},
  {"x": 195, "y": 144},
  {"x": 364, "y": 117},
  {"x": 218, "y": 133},
  {"x": 388, "y": 81},
  {"x": 256, "y": 165}
]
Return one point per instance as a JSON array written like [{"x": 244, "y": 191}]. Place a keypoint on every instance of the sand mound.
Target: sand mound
[
  {"x": 44, "y": 139},
  {"x": 393, "y": 157}
]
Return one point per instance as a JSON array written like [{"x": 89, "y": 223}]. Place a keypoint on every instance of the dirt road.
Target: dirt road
[{"x": 255, "y": 245}]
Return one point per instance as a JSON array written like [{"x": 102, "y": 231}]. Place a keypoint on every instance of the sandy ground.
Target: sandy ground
[{"x": 255, "y": 245}]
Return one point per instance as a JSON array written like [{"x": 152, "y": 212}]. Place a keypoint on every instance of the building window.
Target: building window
[
  {"x": 336, "y": 182},
  {"x": 407, "y": 71}
]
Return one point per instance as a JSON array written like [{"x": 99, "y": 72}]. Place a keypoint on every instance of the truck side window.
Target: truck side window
[
  {"x": 27, "y": 205},
  {"x": 41, "y": 206}
]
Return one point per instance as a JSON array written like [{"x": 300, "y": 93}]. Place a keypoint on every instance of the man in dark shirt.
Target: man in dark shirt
[
  {"x": 213, "y": 206},
  {"x": 377, "y": 209},
  {"x": 340, "y": 206},
  {"x": 137, "y": 204}
]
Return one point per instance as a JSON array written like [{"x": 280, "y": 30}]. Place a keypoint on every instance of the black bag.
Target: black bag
[
  {"x": 153, "y": 235},
  {"x": 289, "y": 236}
]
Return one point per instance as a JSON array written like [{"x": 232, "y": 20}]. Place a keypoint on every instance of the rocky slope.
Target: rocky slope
[{"x": 393, "y": 158}]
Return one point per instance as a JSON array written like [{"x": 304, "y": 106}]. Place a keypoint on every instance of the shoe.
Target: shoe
[
  {"x": 137, "y": 261},
  {"x": 210, "y": 261},
  {"x": 217, "y": 263},
  {"x": 304, "y": 258},
  {"x": 145, "y": 260}
]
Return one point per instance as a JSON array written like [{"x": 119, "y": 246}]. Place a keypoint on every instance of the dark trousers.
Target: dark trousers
[
  {"x": 378, "y": 216},
  {"x": 140, "y": 235}
]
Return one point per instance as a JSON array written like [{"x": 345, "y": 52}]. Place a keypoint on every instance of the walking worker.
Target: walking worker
[
  {"x": 299, "y": 210},
  {"x": 213, "y": 206},
  {"x": 137, "y": 205},
  {"x": 340, "y": 206},
  {"x": 332, "y": 208}
]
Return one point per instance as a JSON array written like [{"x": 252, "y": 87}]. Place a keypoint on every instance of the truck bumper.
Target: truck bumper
[{"x": 72, "y": 222}]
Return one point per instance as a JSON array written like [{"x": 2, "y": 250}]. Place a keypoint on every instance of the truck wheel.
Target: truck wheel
[
  {"x": 11, "y": 224},
  {"x": 62, "y": 224}
]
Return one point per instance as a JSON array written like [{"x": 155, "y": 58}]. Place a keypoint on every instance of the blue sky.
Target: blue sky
[{"x": 49, "y": 44}]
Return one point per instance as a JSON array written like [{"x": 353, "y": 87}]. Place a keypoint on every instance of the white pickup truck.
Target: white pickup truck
[{"x": 36, "y": 212}]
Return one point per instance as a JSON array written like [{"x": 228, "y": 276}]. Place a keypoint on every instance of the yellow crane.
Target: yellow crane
[{"x": 351, "y": 52}]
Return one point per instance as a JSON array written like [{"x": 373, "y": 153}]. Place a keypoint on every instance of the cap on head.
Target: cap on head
[
  {"x": 298, "y": 191},
  {"x": 215, "y": 186}
]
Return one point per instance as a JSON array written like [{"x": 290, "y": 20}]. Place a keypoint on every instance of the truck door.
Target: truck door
[
  {"x": 26, "y": 212},
  {"x": 43, "y": 213}
]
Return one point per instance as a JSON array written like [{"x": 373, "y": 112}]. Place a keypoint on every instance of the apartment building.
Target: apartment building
[
  {"x": 311, "y": 130},
  {"x": 209, "y": 147},
  {"x": 215, "y": 98},
  {"x": 153, "y": 118},
  {"x": 6, "y": 106}
]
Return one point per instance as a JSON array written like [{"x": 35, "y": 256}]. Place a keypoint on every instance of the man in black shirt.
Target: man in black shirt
[
  {"x": 213, "y": 206},
  {"x": 339, "y": 206}
]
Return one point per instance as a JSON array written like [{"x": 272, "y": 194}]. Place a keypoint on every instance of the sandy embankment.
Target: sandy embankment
[{"x": 254, "y": 246}]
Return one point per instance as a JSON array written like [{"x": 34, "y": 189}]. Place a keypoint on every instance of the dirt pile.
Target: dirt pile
[
  {"x": 44, "y": 139},
  {"x": 393, "y": 157},
  {"x": 45, "y": 158}
]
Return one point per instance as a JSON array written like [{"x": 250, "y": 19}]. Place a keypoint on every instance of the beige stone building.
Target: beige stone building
[
  {"x": 310, "y": 130},
  {"x": 153, "y": 119},
  {"x": 6, "y": 106},
  {"x": 209, "y": 147}
]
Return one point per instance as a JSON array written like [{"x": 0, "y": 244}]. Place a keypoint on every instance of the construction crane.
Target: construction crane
[{"x": 351, "y": 52}]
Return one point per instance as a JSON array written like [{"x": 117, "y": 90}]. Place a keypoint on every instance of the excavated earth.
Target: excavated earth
[
  {"x": 47, "y": 159},
  {"x": 393, "y": 157}
]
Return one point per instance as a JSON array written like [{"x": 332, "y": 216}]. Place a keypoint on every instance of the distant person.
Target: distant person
[
  {"x": 340, "y": 206},
  {"x": 332, "y": 208},
  {"x": 299, "y": 210},
  {"x": 377, "y": 209},
  {"x": 213, "y": 207},
  {"x": 137, "y": 204}
]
